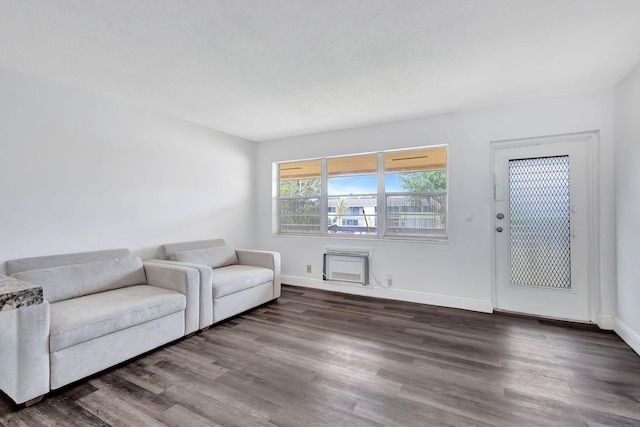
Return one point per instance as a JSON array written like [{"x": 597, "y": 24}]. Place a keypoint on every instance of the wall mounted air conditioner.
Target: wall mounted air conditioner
[{"x": 350, "y": 267}]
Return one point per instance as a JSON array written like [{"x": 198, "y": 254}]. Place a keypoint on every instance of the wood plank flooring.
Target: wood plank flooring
[{"x": 317, "y": 358}]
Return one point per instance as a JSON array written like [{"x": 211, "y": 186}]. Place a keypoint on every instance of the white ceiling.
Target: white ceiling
[{"x": 263, "y": 69}]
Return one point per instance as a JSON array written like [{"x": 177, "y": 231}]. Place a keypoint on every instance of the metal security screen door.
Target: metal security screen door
[{"x": 540, "y": 229}]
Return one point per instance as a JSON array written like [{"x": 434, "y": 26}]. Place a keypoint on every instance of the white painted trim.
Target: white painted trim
[
  {"x": 592, "y": 141},
  {"x": 593, "y": 218},
  {"x": 606, "y": 322},
  {"x": 629, "y": 336},
  {"x": 349, "y": 249},
  {"x": 484, "y": 306}
]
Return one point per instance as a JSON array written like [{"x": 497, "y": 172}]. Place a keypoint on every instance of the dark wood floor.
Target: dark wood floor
[{"x": 320, "y": 358}]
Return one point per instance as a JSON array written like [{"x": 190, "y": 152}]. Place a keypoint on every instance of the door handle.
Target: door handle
[{"x": 499, "y": 229}]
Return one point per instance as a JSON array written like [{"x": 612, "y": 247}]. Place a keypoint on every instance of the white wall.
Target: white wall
[
  {"x": 457, "y": 273},
  {"x": 79, "y": 172},
  {"x": 627, "y": 126}
]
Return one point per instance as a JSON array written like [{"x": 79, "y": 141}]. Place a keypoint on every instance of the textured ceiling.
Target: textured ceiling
[{"x": 263, "y": 69}]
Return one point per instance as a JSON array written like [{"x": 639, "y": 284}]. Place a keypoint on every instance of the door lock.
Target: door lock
[
  {"x": 500, "y": 216},
  {"x": 499, "y": 229}
]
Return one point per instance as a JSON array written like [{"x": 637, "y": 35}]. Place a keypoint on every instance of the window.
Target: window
[
  {"x": 299, "y": 197},
  {"x": 416, "y": 192},
  {"x": 352, "y": 189},
  {"x": 392, "y": 194}
]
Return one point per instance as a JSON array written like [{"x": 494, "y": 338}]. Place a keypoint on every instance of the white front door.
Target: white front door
[{"x": 540, "y": 225}]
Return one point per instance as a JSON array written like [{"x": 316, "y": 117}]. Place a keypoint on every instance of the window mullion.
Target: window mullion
[
  {"x": 324, "y": 204},
  {"x": 278, "y": 225},
  {"x": 382, "y": 204}
]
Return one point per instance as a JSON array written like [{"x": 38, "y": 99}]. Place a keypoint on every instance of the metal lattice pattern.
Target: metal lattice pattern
[{"x": 540, "y": 231}]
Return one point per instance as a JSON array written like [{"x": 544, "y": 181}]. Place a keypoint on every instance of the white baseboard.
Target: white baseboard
[
  {"x": 484, "y": 306},
  {"x": 629, "y": 336},
  {"x": 606, "y": 322}
]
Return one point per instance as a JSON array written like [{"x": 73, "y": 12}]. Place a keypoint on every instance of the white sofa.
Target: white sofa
[
  {"x": 100, "y": 309},
  {"x": 232, "y": 281}
]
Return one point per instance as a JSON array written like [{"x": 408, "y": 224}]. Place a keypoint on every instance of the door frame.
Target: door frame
[{"x": 592, "y": 143}]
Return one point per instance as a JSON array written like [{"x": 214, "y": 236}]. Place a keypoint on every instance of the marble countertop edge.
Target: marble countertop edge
[{"x": 15, "y": 293}]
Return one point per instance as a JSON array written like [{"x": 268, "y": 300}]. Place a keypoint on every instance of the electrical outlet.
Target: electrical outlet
[
  {"x": 389, "y": 279},
  {"x": 308, "y": 268}
]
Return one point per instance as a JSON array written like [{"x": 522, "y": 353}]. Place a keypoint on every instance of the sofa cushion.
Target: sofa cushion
[
  {"x": 38, "y": 263},
  {"x": 77, "y": 320},
  {"x": 215, "y": 257},
  {"x": 72, "y": 281},
  {"x": 171, "y": 248},
  {"x": 235, "y": 278}
]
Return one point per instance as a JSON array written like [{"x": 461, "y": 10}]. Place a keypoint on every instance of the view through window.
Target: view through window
[
  {"x": 353, "y": 194},
  {"x": 399, "y": 194},
  {"x": 416, "y": 192},
  {"x": 299, "y": 201}
]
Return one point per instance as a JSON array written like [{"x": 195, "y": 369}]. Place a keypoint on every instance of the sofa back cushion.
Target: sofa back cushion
[
  {"x": 37, "y": 263},
  {"x": 171, "y": 248},
  {"x": 218, "y": 256},
  {"x": 71, "y": 281}
]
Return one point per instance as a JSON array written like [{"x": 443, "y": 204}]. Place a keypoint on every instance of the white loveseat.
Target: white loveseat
[
  {"x": 100, "y": 309},
  {"x": 232, "y": 281}
]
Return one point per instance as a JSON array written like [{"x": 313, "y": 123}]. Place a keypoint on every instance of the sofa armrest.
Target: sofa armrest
[
  {"x": 206, "y": 289},
  {"x": 266, "y": 259},
  {"x": 180, "y": 279},
  {"x": 24, "y": 352}
]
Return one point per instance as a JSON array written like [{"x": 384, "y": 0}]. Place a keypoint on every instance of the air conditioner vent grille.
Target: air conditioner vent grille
[{"x": 345, "y": 267}]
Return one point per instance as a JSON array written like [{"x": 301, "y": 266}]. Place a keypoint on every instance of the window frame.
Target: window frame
[{"x": 381, "y": 206}]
